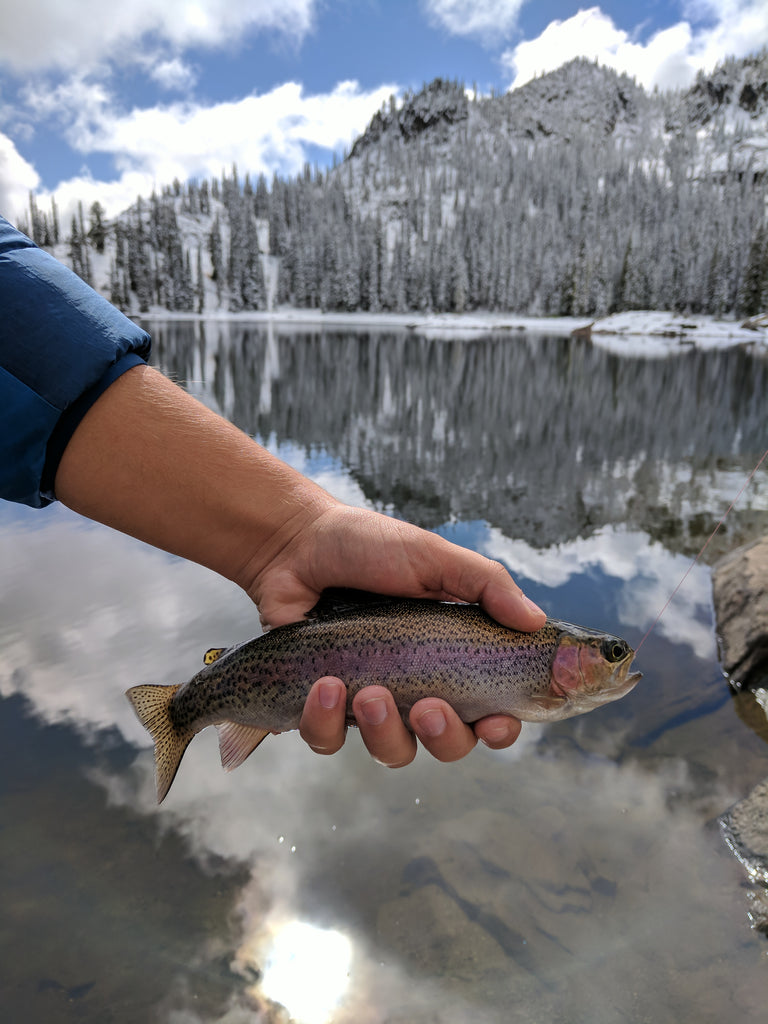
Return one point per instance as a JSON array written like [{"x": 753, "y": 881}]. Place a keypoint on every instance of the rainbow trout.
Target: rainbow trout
[{"x": 416, "y": 648}]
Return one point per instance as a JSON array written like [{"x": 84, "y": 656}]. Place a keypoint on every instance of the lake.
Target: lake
[{"x": 578, "y": 876}]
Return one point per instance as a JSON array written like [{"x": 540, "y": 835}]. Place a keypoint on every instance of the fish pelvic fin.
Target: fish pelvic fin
[
  {"x": 152, "y": 706},
  {"x": 237, "y": 742}
]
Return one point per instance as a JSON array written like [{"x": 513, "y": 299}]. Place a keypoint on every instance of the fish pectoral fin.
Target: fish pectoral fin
[
  {"x": 237, "y": 742},
  {"x": 213, "y": 654},
  {"x": 547, "y": 702}
]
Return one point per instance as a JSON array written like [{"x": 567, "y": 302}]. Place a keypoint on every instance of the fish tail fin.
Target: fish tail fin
[{"x": 152, "y": 705}]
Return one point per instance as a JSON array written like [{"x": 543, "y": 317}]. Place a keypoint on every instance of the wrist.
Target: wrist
[{"x": 278, "y": 540}]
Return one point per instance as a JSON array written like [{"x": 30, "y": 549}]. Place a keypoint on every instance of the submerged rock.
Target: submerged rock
[
  {"x": 740, "y": 593},
  {"x": 745, "y": 830}
]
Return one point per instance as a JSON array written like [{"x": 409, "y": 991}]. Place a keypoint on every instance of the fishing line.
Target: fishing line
[{"x": 703, "y": 549}]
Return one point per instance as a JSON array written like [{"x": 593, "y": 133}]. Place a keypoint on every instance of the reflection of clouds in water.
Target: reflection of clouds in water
[
  {"x": 649, "y": 575},
  {"x": 512, "y": 878},
  {"x": 86, "y": 612},
  {"x": 505, "y": 881}
]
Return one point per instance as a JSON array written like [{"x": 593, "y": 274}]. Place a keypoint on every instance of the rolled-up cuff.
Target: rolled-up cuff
[{"x": 71, "y": 417}]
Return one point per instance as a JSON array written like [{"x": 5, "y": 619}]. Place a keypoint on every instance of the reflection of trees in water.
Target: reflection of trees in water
[{"x": 546, "y": 438}]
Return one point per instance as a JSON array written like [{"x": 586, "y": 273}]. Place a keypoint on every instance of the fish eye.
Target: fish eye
[{"x": 615, "y": 650}]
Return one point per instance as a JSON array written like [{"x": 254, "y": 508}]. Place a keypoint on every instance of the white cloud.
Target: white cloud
[
  {"x": 670, "y": 58},
  {"x": 82, "y": 33},
  {"x": 17, "y": 179},
  {"x": 77, "y": 104},
  {"x": 114, "y": 196},
  {"x": 260, "y": 133},
  {"x": 487, "y": 18},
  {"x": 172, "y": 74},
  {"x": 734, "y": 28}
]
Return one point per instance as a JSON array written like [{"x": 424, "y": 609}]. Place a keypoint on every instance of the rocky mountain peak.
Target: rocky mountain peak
[
  {"x": 581, "y": 93},
  {"x": 433, "y": 109},
  {"x": 736, "y": 85}
]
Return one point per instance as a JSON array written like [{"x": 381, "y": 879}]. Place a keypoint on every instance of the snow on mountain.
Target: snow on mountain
[{"x": 578, "y": 194}]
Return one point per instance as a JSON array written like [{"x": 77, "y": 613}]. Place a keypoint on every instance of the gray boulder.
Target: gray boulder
[{"x": 740, "y": 593}]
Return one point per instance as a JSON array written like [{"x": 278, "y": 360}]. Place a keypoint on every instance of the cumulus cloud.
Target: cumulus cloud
[
  {"x": 257, "y": 132},
  {"x": 486, "y": 18},
  {"x": 17, "y": 178},
  {"x": 172, "y": 74},
  {"x": 83, "y": 33},
  {"x": 670, "y": 58}
]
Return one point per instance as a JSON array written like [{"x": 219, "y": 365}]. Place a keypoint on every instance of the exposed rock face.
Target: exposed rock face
[
  {"x": 740, "y": 591},
  {"x": 435, "y": 108},
  {"x": 740, "y": 83}
]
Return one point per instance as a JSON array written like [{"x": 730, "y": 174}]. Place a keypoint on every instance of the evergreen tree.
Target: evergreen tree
[
  {"x": 216, "y": 250},
  {"x": 200, "y": 282},
  {"x": 54, "y": 222},
  {"x": 753, "y": 295},
  {"x": 97, "y": 232},
  {"x": 85, "y": 256}
]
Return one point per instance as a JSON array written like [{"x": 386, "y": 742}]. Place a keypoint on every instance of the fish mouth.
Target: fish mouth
[{"x": 628, "y": 684}]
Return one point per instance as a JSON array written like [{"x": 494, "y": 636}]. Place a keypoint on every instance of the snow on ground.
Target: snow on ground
[
  {"x": 644, "y": 332},
  {"x": 455, "y": 325},
  {"x": 655, "y": 332}
]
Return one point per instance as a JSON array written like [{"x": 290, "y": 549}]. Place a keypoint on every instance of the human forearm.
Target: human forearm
[{"x": 151, "y": 461}]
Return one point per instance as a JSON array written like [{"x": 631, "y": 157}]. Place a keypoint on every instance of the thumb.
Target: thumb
[{"x": 469, "y": 576}]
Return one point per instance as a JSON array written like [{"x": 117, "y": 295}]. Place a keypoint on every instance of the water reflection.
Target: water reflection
[
  {"x": 578, "y": 876},
  {"x": 498, "y": 427},
  {"x": 306, "y": 970}
]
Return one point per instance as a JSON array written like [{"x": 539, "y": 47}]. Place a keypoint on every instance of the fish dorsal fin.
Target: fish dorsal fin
[
  {"x": 237, "y": 742},
  {"x": 342, "y": 600},
  {"x": 213, "y": 654}
]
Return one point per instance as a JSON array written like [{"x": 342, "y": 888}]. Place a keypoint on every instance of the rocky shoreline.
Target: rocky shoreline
[{"x": 740, "y": 594}]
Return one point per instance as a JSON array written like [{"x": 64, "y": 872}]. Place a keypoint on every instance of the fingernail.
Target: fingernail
[
  {"x": 373, "y": 710},
  {"x": 432, "y": 723},
  {"x": 495, "y": 734},
  {"x": 329, "y": 695}
]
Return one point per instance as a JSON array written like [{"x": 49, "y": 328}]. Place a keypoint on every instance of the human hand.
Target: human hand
[{"x": 347, "y": 547}]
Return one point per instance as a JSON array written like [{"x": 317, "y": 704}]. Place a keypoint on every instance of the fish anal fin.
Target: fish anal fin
[
  {"x": 213, "y": 654},
  {"x": 237, "y": 742}
]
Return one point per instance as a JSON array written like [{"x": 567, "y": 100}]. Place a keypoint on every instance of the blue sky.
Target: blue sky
[{"x": 108, "y": 101}]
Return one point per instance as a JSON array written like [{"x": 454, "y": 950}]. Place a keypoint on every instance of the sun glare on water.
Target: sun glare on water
[{"x": 307, "y": 971}]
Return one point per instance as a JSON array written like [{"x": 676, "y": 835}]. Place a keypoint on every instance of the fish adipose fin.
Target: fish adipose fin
[
  {"x": 213, "y": 654},
  {"x": 237, "y": 742},
  {"x": 152, "y": 705}
]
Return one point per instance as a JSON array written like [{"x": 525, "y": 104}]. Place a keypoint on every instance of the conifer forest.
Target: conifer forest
[{"x": 579, "y": 194}]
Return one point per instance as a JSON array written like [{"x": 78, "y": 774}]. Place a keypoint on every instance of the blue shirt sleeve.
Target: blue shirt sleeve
[{"x": 61, "y": 346}]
